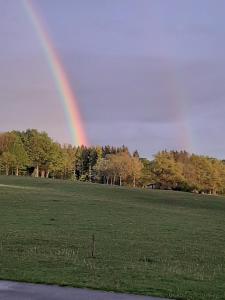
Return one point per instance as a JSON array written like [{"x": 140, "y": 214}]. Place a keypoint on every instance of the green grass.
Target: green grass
[{"x": 160, "y": 243}]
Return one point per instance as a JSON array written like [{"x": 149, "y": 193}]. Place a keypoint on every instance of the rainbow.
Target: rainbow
[
  {"x": 179, "y": 104},
  {"x": 178, "y": 94},
  {"x": 67, "y": 96}
]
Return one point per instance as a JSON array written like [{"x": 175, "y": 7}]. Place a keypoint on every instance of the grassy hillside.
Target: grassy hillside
[{"x": 159, "y": 243}]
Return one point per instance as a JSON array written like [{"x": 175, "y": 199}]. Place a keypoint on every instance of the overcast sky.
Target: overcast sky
[{"x": 147, "y": 73}]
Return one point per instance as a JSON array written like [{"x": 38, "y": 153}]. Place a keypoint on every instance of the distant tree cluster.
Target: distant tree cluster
[
  {"x": 192, "y": 173},
  {"x": 33, "y": 153}
]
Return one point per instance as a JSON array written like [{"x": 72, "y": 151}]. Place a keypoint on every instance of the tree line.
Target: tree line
[{"x": 33, "y": 153}]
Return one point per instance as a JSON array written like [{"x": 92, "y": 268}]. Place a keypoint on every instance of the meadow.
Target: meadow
[{"x": 161, "y": 243}]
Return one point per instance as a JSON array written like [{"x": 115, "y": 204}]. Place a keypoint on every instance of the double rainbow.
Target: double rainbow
[{"x": 67, "y": 96}]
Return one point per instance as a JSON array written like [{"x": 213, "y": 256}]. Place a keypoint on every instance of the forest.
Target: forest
[{"x": 34, "y": 153}]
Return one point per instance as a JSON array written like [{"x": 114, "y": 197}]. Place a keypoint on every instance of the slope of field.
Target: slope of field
[{"x": 159, "y": 243}]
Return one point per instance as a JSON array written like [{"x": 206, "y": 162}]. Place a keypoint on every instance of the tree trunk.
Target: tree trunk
[
  {"x": 74, "y": 170},
  {"x": 17, "y": 171},
  {"x": 134, "y": 181},
  {"x": 120, "y": 181},
  {"x": 47, "y": 174},
  {"x": 6, "y": 170},
  {"x": 37, "y": 171},
  {"x": 89, "y": 172},
  {"x": 42, "y": 173}
]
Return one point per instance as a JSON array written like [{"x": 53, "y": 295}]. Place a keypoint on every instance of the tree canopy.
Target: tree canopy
[{"x": 34, "y": 153}]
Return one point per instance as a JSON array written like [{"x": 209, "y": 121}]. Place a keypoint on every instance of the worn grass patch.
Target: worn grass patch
[{"x": 158, "y": 243}]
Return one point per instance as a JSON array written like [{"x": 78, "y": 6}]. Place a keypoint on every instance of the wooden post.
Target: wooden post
[{"x": 93, "y": 246}]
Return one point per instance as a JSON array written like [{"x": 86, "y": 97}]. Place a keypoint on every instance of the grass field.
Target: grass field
[{"x": 158, "y": 243}]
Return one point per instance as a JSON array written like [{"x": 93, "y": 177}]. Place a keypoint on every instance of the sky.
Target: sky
[{"x": 149, "y": 74}]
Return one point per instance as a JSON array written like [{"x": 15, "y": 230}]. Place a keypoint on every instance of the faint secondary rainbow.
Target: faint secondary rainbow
[
  {"x": 68, "y": 98},
  {"x": 177, "y": 93}
]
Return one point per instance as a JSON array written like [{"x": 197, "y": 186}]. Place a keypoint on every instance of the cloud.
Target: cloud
[{"x": 141, "y": 72}]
